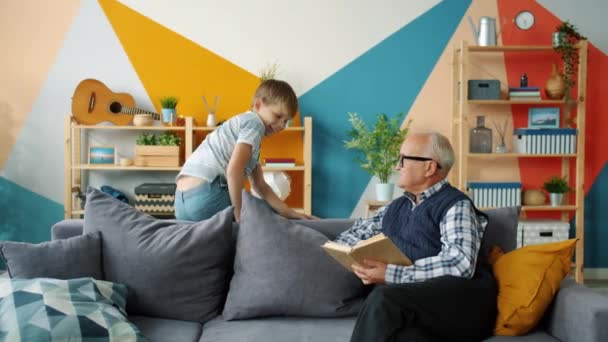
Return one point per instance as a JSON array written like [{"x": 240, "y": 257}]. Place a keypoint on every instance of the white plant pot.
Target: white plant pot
[
  {"x": 556, "y": 199},
  {"x": 384, "y": 191}
]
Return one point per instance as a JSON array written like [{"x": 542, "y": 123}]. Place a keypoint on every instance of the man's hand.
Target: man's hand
[{"x": 371, "y": 272}]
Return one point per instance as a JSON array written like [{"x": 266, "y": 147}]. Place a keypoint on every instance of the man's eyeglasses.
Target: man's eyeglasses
[{"x": 403, "y": 157}]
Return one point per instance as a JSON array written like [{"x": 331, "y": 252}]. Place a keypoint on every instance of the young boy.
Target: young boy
[{"x": 214, "y": 175}]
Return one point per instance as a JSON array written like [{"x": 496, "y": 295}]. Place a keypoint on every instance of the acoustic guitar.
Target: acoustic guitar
[{"x": 93, "y": 103}]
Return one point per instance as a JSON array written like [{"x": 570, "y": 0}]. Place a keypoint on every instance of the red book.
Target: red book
[{"x": 279, "y": 160}]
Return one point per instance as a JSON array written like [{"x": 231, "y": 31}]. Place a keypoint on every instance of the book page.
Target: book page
[
  {"x": 380, "y": 249},
  {"x": 339, "y": 252}
]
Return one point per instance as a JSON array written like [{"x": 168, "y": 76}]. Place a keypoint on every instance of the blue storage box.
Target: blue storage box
[
  {"x": 495, "y": 194},
  {"x": 544, "y": 140}
]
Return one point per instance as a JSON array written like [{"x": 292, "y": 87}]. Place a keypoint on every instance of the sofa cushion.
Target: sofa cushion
[
  {"x": 522, "y": 300},
  {"x": 280, "y": 269},
  {"x": 23, "y": 260},
  {"x": 501, "y": 230},
  {"x": 82, "y": 309},
  {"x": 534, "y": 336},
  {"x": 174, "y": 269},
  {"x": 292, "y": 329},
  {"x": 163, "y": 330}
]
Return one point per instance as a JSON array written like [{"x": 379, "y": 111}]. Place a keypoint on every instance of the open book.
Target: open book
[{"x": 378, "y": 247}]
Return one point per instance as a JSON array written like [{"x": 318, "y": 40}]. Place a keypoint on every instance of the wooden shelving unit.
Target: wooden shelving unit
[
  {"x": 461, "y": 110},
  {"x": 75, "y": 160}
]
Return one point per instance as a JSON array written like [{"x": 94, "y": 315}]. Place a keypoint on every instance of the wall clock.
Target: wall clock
[{"x": 524, "y": 20}]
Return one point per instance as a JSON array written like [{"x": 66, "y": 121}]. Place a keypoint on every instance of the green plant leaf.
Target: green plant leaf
[
  {"x": 379, "y": 145},
  {"x": 557, "y": 185},
  {"x": 169, "y": 102}
]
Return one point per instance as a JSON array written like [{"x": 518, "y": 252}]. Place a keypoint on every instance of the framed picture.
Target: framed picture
[
  {"x": 102, "y": 155},
  {"x": 543, "y": 117}
]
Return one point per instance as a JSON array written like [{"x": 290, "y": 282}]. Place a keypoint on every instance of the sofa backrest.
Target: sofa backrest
[{"x": 501, "y": 230}]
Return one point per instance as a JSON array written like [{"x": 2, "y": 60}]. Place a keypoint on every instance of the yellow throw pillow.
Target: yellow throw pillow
[{"x": 528, "y": 278}]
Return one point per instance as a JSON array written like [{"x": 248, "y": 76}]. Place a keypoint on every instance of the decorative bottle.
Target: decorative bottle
[
  {"x": 481, "y": 137},
  {"x": 523, "y": 80},
  {"x": 211, "y": 120}
]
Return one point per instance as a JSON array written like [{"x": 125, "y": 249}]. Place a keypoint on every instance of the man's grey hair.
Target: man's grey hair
[{"x": 441, "y": 150}]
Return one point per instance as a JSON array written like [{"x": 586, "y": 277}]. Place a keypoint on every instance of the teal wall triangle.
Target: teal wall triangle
[{"x": 385, "y": 79}]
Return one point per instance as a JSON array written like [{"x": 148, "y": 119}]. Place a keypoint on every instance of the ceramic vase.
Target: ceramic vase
[
  {"x": 384, "y": 191},
  {"x": 556, "y": 199},
  {"x": 211, "y": 120},
  {"x": 556, "y": 86},
  {"x": 168, "y": 116}
]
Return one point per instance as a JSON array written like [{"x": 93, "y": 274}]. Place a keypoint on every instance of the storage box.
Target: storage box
[
  {"x": 538, "y": 231},
  {"x": 154, "y": 155},
  {"x": 495, "y": 194},
  {"x": 544, "y": 140},
  {"x": 155, "y": 198},
  {"x": 484, "y": 90}
]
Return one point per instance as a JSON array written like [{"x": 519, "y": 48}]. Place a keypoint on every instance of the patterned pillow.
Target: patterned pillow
[{"x": 45, "y": 309}]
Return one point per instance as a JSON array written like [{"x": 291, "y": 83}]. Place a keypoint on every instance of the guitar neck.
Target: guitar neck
[{"x": 134, "y": 110}]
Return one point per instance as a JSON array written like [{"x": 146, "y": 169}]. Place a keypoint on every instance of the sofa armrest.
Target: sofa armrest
[
  {"x": 579, "y": 314},
  {"x": 66, "y": 228}
]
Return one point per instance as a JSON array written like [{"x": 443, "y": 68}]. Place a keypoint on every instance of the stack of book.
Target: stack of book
[
  {"x": 524, "y": 93},
  {"x": 279, "y": 162}
]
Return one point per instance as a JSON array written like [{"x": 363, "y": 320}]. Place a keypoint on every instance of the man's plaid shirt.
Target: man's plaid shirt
[{"x": 461, "y": 233}]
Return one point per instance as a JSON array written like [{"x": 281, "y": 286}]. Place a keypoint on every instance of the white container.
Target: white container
[
  {"x": 384, "y": 191},
  {"x": 211, "y": 120},
  {"x": 495, "y": 194},
  {"x": 538, "y": 231},
  {"x": 544, "y": 140}
]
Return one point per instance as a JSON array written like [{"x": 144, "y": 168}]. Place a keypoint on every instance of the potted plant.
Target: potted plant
[
  {"x": 269, "y": 72},
  {"x": 153, "y": 150},
  {"x": 380, "y": 148},
  {"x": 168, "y": 104},
  {"x": 556, "y": 187},
  {"x": 565, "y": 41}
]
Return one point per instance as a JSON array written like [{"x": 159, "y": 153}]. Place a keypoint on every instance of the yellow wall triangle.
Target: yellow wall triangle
[{"x": 170, "y": 64}]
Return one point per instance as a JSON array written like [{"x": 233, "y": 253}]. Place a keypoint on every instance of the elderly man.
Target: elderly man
[{"x": 447, "y": 294}]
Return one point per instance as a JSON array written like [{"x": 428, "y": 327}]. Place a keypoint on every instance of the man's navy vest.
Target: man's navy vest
[{"x": 416, "y": 232}]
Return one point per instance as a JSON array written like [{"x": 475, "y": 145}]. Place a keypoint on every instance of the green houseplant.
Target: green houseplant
[
  {"x": 168, "y": 104},
  {"x": 565, "y": 43},
  {"x": 157, "y": 150},
  {"x": 379, "y": 146},
  {"x": 556, "y": 187}
]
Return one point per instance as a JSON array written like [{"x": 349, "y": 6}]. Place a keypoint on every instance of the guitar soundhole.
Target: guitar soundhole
[{"x": 115, "y": 107}]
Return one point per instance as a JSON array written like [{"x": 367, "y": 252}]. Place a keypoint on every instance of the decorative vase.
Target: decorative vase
[
  {"x": 556, "y": 199},
  {"x": 384, "y": 191},
  {"x": 501, "y": 147},
  {"x": 143, "y": 120},
  {"x": 211, "y": 120},
  {"x": 534, "y": 197},
  {"x": 481, "y": 137},
  {"x": 557, "y": 38},
  {"x": 556, "y": 86},
  {"x": 168, "y": 116}
]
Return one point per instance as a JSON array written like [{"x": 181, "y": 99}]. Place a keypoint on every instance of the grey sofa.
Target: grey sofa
[{"x": 577, "y": 314}]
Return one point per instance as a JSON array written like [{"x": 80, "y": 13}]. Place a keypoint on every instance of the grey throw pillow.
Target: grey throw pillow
[
  {"x": 501, "y": 230},
  {"x": 173, "y": 269},
  {"x": 280, "y": 269},
  {"x": 76, "y": 257}
]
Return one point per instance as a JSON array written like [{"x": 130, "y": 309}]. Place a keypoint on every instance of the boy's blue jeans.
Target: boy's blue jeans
[{"x": 202, "y": 201}]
